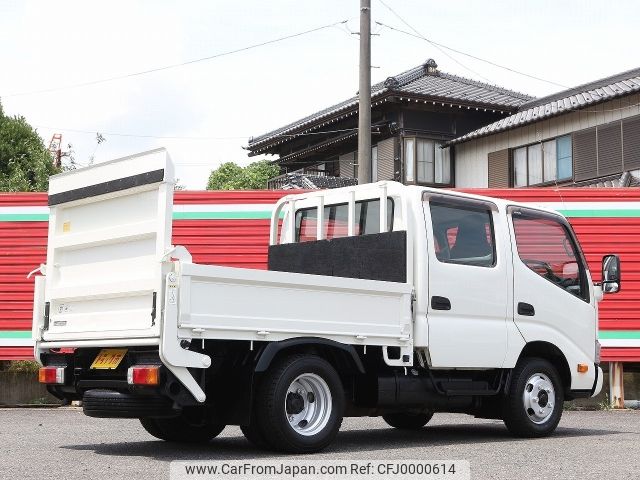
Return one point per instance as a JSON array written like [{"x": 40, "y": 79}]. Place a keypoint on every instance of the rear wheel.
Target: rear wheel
[
  {"x": 408, "y": 420},
  {"x": 300, "y": 404},
  {"x": 533, "y": 406},
  {"x": 186, "y": 428},
  {"x": 254, "y": 435}
]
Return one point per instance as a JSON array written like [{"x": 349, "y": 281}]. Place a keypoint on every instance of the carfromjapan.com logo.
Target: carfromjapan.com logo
[{"x": 321, "y": 469}]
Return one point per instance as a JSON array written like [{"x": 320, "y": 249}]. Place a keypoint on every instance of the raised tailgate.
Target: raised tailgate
[{"x": 109, "y": 226}]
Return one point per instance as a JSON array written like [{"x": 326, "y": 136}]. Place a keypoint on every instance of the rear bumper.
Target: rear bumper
[
  {"x": 115, "y": 404},
  {"x": 107, "y": 392}
]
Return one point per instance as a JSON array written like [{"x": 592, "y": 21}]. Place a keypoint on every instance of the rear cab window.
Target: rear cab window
[{"x": 336, "y": 220}]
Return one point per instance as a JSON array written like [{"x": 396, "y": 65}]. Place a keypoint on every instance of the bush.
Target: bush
[
  {"x": 28, "y": 366},
  {"x": 254, "y": 176}
]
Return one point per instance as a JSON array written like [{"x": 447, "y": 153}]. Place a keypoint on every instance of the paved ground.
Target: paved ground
[{"x": 63, "y": 444}]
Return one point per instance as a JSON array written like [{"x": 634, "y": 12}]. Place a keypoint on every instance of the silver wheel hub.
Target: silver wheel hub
[
  {"x": 308, "y": 404},
  {"x": 539, "y": 398}
]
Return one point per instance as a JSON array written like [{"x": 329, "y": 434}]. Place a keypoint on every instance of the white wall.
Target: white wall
[{"x": 471, "y": 165}]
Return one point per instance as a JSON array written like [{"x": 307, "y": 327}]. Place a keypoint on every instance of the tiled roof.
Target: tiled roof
[
  {"x": 627, "y": 179},
  {"x": 625, "y": 83},
  {"x": 425, "y": 81},
  {"x": 303, "y": 181}
]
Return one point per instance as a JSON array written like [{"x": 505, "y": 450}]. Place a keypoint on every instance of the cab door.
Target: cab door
[
  {"x": 551, "y": 287},
  {"x": 469, "y": 297}
]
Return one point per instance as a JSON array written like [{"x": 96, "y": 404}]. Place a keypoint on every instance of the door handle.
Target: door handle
[
  {"x": 440, "y": 303},
  {"x": 526, "y": 309}
]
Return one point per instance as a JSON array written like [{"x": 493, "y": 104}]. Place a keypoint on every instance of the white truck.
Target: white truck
[{"x": 380, "y": 300}]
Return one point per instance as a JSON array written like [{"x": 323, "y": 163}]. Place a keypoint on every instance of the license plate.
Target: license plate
[{"x": 109, "y": 358}]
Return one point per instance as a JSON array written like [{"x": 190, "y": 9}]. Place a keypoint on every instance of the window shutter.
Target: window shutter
[
  {"x": 386, "y": 158},
  {"x": 499, "y": 169},
  {"x": 585, "y": 159},
  {"x": 631, "y": 142},
  {"x": 609, "y": 149},
  {"x": 346, "y": 165}
]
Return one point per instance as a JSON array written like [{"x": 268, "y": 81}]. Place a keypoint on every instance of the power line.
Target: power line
[
  {"x": 133, "y": 135},
  {"x": 419, "y": 35},
  {"x": 474, "y": 57},
  {"x": 440, "y": 46},
  {"x": 175, "y": 65},
  {"x": 176, "y": 137}
]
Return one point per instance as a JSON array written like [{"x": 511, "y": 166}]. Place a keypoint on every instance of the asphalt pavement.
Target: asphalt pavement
[{"x": 62, "y": 443}]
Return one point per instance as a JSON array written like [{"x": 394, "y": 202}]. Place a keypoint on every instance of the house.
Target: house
[
  {"x": 583, "y": 136},
  {"x": 413, "y": 115}
]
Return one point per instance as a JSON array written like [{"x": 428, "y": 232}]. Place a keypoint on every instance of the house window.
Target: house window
[
  {"x": 426, "y": 162},
  {"x": 543, "y": 162},
  {"x": 409, "y": 159},
  {"x": 374, "y": 164}
]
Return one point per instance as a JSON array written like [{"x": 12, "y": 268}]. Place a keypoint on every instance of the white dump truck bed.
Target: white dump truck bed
[{"x": 238, "y": 303}]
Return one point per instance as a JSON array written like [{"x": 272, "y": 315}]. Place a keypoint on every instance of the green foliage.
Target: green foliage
[
  {"x": 230, "y": 176},
  {"x": 257, "y": 174},
  {"x": 28, "y": 366},
  {"x": 605, "y": 404},
  {"x": 25, "y": 163}
]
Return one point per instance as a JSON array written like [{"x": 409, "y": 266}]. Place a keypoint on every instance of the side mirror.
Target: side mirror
[{"x": 611, "y": 274}]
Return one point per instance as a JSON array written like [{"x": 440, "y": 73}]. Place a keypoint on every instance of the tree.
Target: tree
[
  {"x": 257, "y": 173},
  {"x": 230, "y": 176},
  {"x": 25, "y": 163}
]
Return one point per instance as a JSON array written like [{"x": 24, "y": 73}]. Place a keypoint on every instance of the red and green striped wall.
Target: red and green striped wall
[{"x": 232, "y": 228}]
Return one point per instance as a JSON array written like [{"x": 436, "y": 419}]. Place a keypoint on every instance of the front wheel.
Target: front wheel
[
  {"x": 195, "y": 428},
  {"x": 408, "y": 420},
  {"x": 300, "y": 404},
  {"x": 533, "y": 406}
]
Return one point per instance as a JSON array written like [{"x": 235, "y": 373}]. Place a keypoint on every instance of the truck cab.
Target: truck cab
[
  {"x": 490, "y": 277},
  {"x": 380, "y": 300}
]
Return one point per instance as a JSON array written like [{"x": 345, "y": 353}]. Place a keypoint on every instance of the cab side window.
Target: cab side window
[
  {"x": 546, "y": 247},
  {"x": 463, "y": 234}
]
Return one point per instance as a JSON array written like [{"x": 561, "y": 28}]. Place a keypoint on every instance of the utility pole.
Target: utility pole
[{"x": 364, "y": 95}]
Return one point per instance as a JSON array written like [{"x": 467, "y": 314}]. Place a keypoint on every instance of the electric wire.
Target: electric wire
[
  {"x": 438, "y": 45},
  {"x": 177, "y": 137},
  {"x": 175, "y": 65},
  {"x": 433, "y": 43},
  {"x": 551, "y": 82}
]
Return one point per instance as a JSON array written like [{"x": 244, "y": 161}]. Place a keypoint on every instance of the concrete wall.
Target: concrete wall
[
  {"x": 631, "y": 390},
  {"x": 23, "y": 388},
  {"x": 471, "y": 164}
]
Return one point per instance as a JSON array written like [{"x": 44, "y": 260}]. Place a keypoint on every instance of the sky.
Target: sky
[{"x": 205, "y": 112}]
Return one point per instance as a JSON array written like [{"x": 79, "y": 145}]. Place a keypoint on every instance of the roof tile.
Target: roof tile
[
  {"x": 572, "y": 99},
  {"x": 439, "y": 86}
]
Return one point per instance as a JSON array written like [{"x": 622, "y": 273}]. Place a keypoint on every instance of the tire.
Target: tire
[
  {"x": 254, "y": 435},
  {"x": 299, "y": 404},
  {"x": 408, "y": 420},
  {"x": 182, "y": 429},
  {"x": 535, "y": 383}
]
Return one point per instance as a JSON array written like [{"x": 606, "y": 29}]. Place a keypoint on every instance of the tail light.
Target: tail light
[
  {"x": 143, "y": 375},
  {"x": 51, "y": 375}
]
